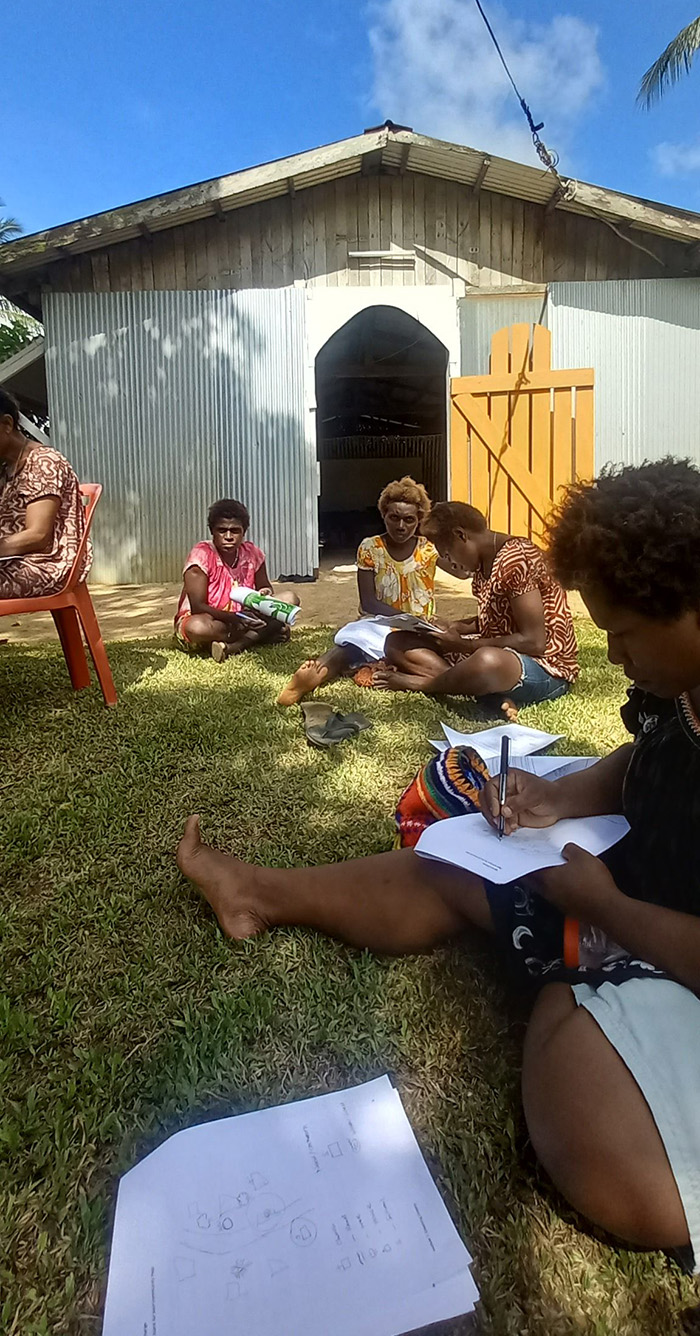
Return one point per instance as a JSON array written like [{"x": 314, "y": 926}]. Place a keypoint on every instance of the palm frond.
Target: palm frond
[
  {"x": 675, "y": 61},
  {"x": 9, "y": 227}
]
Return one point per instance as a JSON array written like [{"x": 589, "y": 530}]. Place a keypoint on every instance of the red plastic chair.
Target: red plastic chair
[{"x": 71, "y": 609}]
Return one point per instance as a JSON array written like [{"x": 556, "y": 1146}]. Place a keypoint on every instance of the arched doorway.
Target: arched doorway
[{"x": 381, "y": 411}]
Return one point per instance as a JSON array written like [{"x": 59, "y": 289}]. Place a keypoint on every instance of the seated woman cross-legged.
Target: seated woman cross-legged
[
  {"x": 519, "y": 650},
  {"x": 611, "y": 1067},
  {"x": 41, "y": 513},
  {"x": 395, "y": 573},
  {"x": 207, "y": 617}
]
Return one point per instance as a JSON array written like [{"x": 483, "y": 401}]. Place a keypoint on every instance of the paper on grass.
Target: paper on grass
[
  {"x": 314, "y": 1217},
  {"x": 470, "y": 842},
  {"x": 487, "y": 741}
]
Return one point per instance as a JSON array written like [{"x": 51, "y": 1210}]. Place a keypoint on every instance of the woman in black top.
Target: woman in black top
[{"x": 611, "y": 1070}]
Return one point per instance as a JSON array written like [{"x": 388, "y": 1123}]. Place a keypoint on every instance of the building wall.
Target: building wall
[
  {"x": 171, "y": 400},
  {"x": 461, "y": 241}
]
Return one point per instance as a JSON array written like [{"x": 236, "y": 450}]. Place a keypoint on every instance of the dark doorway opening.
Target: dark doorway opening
[{"x": 381, "y": 397}]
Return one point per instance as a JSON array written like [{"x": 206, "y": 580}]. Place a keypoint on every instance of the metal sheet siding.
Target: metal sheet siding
[
  {"x": 172, "y": 399},
  {"x": 480, "y": 317},
  {"x": 642, "y": 336}
]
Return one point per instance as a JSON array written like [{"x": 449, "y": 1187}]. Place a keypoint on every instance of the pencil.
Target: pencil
[{"x": 503, "y": 784}]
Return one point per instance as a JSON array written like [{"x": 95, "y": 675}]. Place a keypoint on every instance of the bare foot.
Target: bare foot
[
  {"x": 308, "y": 677},
  {"x": 390, "y": 679},
  {"x": 509, "y": 710},
  {"x": 227, "y": 884}
]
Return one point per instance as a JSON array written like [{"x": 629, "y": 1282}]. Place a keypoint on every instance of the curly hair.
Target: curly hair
[
  {"x": 446, "y": 516},
  {"x": 9, "y": 406},
  {"x": 634, "y": 534},
  {"x": 228, "y": 510},
  {"x": 408, "y": 491}
]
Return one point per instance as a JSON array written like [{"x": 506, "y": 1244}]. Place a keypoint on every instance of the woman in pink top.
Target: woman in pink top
[{"x": 206, "y": 614}]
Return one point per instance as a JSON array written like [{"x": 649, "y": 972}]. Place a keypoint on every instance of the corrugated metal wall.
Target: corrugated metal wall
[
  {"x": 480, "y": 317},
  {"x": 642, "y": 336},
  {"x": 172, "y": 399}
]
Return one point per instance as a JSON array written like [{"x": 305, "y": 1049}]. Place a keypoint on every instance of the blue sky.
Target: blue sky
[{"x": 113, "y": 102}]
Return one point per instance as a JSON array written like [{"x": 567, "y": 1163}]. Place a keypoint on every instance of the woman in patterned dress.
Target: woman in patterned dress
[
  {"x": 395, "y": 573},
  {"x": 520, "y": 648},
  {"x": 41, "y": 512}
]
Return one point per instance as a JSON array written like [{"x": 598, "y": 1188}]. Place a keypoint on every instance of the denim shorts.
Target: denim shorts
[{"x": 535, "y": 684}]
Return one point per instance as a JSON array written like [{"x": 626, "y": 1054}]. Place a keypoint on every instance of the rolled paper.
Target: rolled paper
[{"x": 269, "y": 607}]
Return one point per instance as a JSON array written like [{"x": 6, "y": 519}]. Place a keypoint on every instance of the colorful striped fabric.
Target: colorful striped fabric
[{"x": 447, "y": 785}]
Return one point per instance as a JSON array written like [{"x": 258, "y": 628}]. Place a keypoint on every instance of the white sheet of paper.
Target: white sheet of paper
[
  {"x": 405, "y": 621},
  {"x": 307, "y": 1218},
  {"x": 367, "y": 634},
  {"x": 470, "y": 842},
  {"x": 523, "y": 741},
  {"x": 553, "y": 767}
]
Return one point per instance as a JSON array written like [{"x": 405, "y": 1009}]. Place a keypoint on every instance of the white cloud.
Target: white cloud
[
  {"x": 435, "y": 68},
  {"x": 677, "y": 159}
]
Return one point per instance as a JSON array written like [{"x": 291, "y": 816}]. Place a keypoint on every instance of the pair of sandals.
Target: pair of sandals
[{"x": 325, "y": 727}]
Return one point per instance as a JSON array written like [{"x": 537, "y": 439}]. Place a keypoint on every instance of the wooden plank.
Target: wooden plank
[
  {"x": 396, "y": 223},
  {"x": 374, "y": 234},
  {"x": 540, "y": 463},
  {"x": 520, "y": 350},
  {"x": 429, "y": 214},
  {"x": 100, "y": 272},
  {"x": 562, "y": 442},
  {"x": 467, "y": 237},
  {"x": 440, "y": 250},
  {"x": 459, "y": 456},
  {"x": 506, "y": 259},
  {"x": 499, "y": 362},
  {"x": 408, "y": 275},
  {"x": 245, "y": 247},
  {"x": 325, "y": 201},
  {"x": 189, "y": 239},
  {"x": 541, "y": 349},
  {"x": 499, "y": 510},
  {"x": 534, "y": 380},
  {"x": 119, "y": 269},
  {"x": 517, "y": 268},
  {"x": 485, "y": 254},
  {"x": 178, "y": 252},
  {"x": 342, "y": 209},
  {"x": 539, "y": 218},
  {"x": 451, "y": 237},
  {"x": 416, "y": 234},
  {"x": 232, "y": 276},
  {"x": 281, "y": 243},
  {"x": 584, "y": 436},
  {"x": 475, "y": 411},
  {"x": 146, "y": 259},
  {"x": 361, "y": 270},
  {"x": 396, "y": 189},
  {"x": 296, "y": 209},
  {"x": 216, "y": 251},
  {"x": 519, "y": 521}
]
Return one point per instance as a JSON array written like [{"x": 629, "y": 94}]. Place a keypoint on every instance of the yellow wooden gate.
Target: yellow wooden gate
[{"x": 521, "y": 433}]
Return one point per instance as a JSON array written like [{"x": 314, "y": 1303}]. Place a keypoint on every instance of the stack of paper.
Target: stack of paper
[
  {"x": 487, "y": 741},
  {"x": 470, "y": 842},
  {"x": 314, "y": 1217}
]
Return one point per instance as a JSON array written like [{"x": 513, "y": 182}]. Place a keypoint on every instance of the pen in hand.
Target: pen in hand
[{"x": 503, "y": 785}]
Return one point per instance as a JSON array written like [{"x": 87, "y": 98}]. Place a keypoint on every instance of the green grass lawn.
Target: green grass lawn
[{"x": 126, "y": 1015}]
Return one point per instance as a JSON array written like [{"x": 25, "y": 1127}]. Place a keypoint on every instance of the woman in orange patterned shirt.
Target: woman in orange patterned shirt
[{"x": 519, "y": 650}]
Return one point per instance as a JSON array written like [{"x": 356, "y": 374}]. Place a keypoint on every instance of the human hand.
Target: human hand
[
  {"x": 267, "y": 592},
  {"x": 581, "y": 889},
  {"x": 530, "y": 801}
]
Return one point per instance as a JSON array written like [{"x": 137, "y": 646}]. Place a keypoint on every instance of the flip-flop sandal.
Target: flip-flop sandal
[{"x": 324, "y": 727}]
